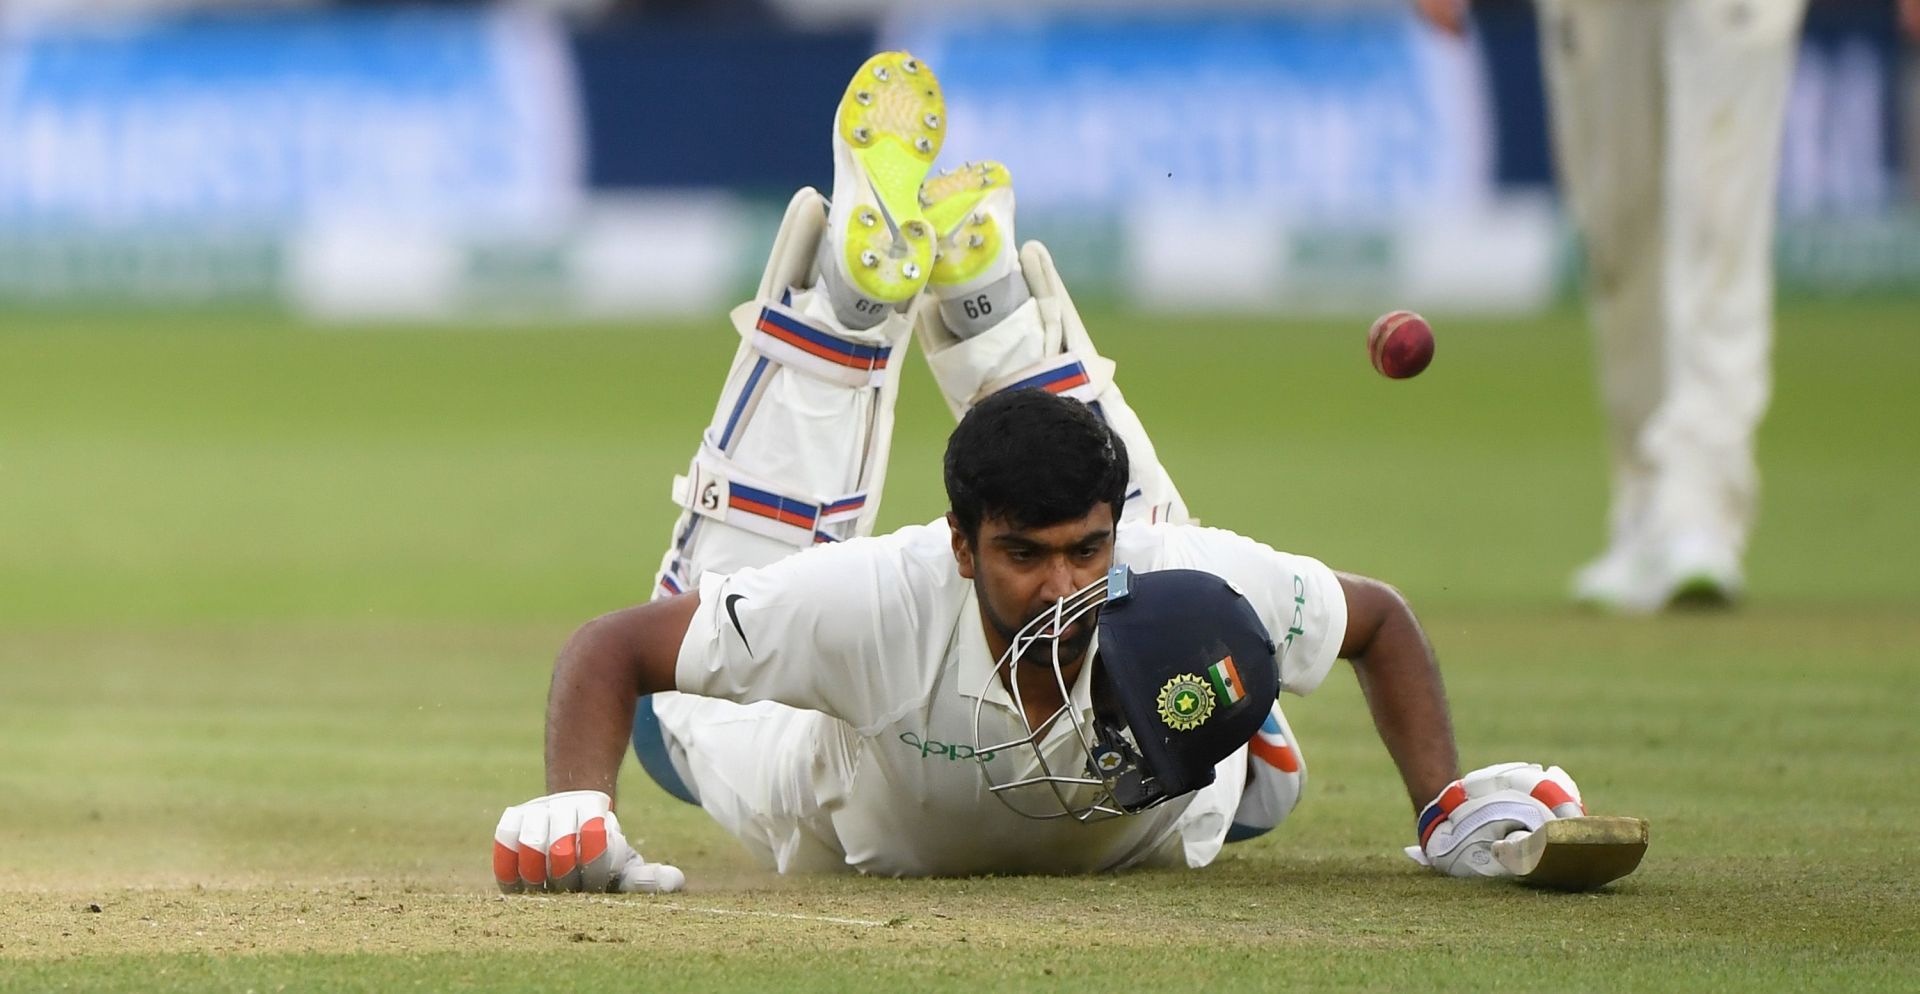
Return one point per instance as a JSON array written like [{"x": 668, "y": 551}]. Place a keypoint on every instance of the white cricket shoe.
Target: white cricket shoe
[
  {"x": 889, "y": 127},
  {"x": 1696, "y": 571},
  {"x": 1617, "y": 582},
  {"x": 1689, "y": 571},
  {"x": 976, "y": 269}
]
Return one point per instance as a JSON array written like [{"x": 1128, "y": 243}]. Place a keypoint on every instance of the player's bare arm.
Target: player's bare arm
[
  {"x": 599, "y": 675},
  {"x": 571, "y": 840},
  {"x": 1401, "y": 681}
]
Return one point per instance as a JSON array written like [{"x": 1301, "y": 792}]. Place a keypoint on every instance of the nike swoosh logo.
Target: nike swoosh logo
[{"x": 736, "y": 619}]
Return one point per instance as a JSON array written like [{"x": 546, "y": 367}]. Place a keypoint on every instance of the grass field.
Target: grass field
[{"x": 277, "y": 607}]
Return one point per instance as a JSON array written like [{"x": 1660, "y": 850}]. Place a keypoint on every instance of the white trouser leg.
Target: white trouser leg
[
  {"x": 753, "y": 768},
  {"x": 1605, "y": 86},
  {"x": 1728, "y": 65},
  {"x": 1043, "y": 343}
]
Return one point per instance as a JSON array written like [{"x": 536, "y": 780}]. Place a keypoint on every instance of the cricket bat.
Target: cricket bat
[{"x": 1575, "y": 854}]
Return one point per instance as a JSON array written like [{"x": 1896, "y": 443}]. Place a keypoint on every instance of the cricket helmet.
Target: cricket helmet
[{"x": 1184, "y": 672}]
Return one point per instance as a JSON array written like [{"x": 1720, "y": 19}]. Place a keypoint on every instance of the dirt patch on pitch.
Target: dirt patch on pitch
[
  {"x": 372, "y": 920},
  {"x": 813, "y": 914}
]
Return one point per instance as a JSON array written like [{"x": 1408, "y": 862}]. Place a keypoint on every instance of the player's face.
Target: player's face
[{"x": 1019, "y": 573}]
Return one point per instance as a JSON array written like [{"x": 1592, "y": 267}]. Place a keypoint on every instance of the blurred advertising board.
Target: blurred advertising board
[
  {"x": 1315, "y": 111},
  {"x": 175, "y": 156},
  {"x": 448, "y": 115},
  {"x": 465, "y": 161},
  {"x": 1301, "y": 157}
]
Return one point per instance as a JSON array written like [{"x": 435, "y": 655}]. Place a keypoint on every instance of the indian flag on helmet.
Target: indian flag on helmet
[{"x": 1227, "y": 688}]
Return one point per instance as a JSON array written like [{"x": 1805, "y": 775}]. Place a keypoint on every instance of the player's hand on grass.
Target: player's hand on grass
[
  {"x": 1506, "y": 801},
  {"x": 572, "y": 841}
]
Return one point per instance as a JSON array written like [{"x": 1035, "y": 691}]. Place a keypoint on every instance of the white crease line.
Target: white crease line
[{"x": 829, "y": 919}]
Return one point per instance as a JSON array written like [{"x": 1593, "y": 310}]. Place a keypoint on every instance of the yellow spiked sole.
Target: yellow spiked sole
[
  {"x": 967, "y": 239},
  {"x": 892, "y": 120}
]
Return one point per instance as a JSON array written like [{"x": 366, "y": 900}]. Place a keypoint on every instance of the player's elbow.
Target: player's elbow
[
  {"x": 591, "y": 638},
  {"x": 634, "y": 649},
  {"x": 1373, "y": 608},
  {"x": 589, "y": 655}
]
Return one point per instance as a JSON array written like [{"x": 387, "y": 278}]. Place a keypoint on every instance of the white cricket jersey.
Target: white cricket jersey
[{"x": 885, "y": 636}]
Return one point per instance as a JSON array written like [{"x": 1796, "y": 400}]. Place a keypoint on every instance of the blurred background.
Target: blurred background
[{"x": 627, "y": 158}]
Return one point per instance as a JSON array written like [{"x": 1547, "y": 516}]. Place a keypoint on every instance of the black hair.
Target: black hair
[{"x": 1032, "y": 459}]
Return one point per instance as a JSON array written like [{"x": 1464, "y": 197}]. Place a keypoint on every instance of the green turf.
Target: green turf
[{"x": 277, "y": 606}]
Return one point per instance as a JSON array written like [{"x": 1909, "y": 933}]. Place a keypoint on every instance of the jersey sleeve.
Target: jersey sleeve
[
  {"x": 1297, "y": 597},
  {"x": 831, "y": 629}
]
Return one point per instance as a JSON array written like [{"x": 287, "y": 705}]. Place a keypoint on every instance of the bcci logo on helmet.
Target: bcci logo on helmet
[{"x": 1185, "y": 702}]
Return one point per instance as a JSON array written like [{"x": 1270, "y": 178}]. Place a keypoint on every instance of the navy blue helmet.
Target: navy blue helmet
[{"x": 1183, "y": 674}]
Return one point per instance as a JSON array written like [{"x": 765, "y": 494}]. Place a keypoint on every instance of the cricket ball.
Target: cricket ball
[{"x": 1400, "y": 344}]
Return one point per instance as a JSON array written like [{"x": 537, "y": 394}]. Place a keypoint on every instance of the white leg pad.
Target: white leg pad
[
  {"x": 1044, "y": 344},
  {"x": 796, "y": 452}
]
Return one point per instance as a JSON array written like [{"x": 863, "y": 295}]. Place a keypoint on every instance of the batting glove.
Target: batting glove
[
  {"x": 1458, "y": 830},
  {"x": 572, "y": 842}
]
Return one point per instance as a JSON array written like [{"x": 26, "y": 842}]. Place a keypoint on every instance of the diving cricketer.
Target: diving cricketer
[{"x": 1062, "y": 674}]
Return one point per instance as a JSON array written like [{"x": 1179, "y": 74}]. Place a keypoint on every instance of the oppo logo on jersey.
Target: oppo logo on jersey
[
  {"x": 951, "y": 752},
  {"x": 1297, "y": 627}
]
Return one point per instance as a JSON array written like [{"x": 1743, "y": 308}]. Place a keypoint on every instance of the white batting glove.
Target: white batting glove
[
  {"x": 1507, "y": 800},
  {"x": 572, "y": 841}
]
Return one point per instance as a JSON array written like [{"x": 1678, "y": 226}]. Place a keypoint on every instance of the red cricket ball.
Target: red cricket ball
[{"x": 1400, "y": 344}]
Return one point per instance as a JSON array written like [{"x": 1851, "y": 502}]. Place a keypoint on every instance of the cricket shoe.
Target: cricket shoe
[
  {"x": 878, "y": 249},
  {"x": 976, "y": 269},
  {"x": 1618, "y": 582},
  {"x": 1697, "y": 573},
  {"x": 1016, "y": 329},
  {"x": 1002, "y": 316},
  {"x": 1688, "y": 572},
  {"x": 1024, "y": 333}
]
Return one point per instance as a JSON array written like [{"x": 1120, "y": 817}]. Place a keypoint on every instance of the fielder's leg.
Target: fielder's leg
[
  {"x": 1728, "y": 68},
  {"x": 1606, "y": 86},
  {"x": 796, "y": 452}
]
